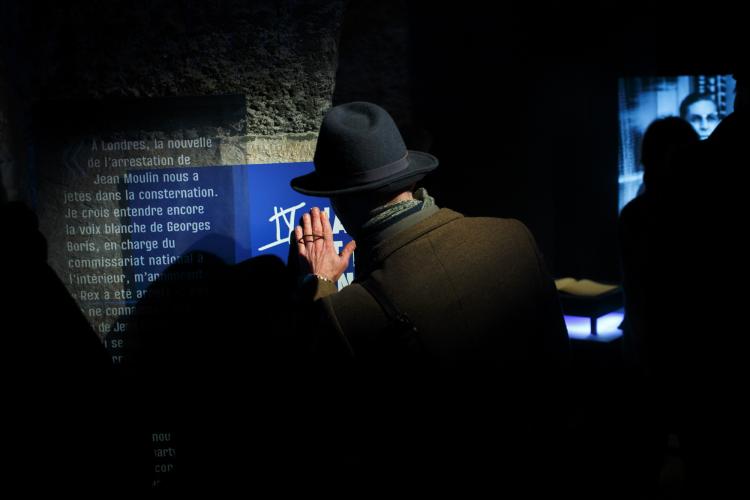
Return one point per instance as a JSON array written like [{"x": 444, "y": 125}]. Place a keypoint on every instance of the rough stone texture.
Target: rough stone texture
[
  {"x": 281, "y": 55},
  {"x": 375, "y": 57},
  {"x": 282, "y": 148}
]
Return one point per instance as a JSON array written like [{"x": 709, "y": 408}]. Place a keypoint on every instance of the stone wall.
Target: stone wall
[{"x": 281, "y": 55}]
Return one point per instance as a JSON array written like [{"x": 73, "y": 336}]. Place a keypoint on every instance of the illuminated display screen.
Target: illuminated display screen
[{"x": 701, "y": 100}]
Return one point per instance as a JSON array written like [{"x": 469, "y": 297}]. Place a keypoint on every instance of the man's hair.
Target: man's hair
[{"x": 691, "y": 99}]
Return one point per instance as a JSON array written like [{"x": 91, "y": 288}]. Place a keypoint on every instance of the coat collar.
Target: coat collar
[{"x": 369, "y": 260}]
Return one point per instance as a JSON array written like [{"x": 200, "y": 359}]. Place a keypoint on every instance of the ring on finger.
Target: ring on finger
[{"x": 310, "y": 238}]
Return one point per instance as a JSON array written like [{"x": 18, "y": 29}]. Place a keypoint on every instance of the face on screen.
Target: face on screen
[{"x": 703, "y": 116}]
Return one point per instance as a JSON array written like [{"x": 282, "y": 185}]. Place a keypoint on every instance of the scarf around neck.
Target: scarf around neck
[
  {"x": 386, "y": 221},
  {"x": 387, "y": 215}
]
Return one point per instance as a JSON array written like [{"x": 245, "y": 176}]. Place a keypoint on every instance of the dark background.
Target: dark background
[{"x": 518, "y": 101}]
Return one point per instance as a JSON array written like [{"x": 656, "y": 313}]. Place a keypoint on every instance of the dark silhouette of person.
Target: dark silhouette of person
[
  {"x": 442, "y": 365},
  {"x": 208, "y": 372},
  {"x": 61, "y": 429},
  {"x": 663, "y": 138},
  {"x": 703, "y": 254},
  {"x": 646, "y": 347}
]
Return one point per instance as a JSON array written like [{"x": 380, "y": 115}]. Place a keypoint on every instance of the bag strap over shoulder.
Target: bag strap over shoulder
[{"x": 407, "y": 333}]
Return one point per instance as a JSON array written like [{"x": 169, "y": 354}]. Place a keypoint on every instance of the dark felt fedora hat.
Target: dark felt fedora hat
[{"x": 360, "y": 149}]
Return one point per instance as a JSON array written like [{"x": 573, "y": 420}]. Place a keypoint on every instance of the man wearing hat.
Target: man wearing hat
[{"x": 452, "y": 327}]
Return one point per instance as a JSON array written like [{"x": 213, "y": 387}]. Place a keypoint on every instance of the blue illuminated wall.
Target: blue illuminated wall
[
  {"x": 274, "y": 208},
  {"x": 248, "y": 211}
]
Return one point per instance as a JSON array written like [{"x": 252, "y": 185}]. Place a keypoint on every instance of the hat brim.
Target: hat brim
[{"x": 312, "y": 184}]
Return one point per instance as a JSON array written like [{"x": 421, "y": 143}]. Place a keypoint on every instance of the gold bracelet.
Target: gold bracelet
[{"x": 322, "y": 278}]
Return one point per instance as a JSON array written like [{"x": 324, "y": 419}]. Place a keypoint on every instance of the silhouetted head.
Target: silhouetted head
[
  {"x": 662, "y": 138},
  {"x": 700, "y": 111}
]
